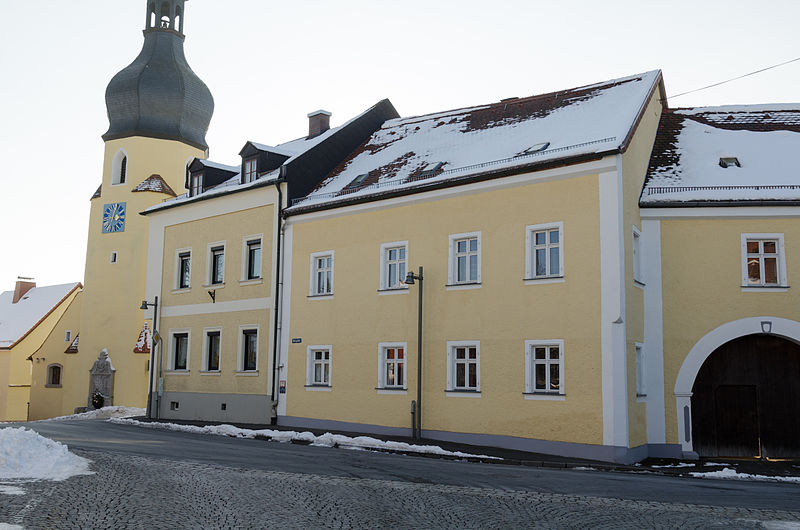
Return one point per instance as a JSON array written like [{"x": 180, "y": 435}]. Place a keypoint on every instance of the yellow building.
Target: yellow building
[
  {"x": 720, "y": 233},
  {"x": 520, "y": 216},
  {"x": 28, "y": 315},
  {"x": 159, "y": 112}
]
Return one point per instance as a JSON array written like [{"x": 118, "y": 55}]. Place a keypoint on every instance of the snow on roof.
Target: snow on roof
[
  {"x": 685, "y": 165},
  {"x": 16, "y": 320},
  {"x": 581, "y": 121},
  {"x": 157, "y": 184},
  {"x": 217, "y": 165},
  {"x": 273, "y": 149}
]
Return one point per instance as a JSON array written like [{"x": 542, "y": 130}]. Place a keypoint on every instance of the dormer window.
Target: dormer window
[
  {"x": 250, "y": 170},
  {"x": 729, "y": 161},
  {"x": 431, "y": 169},
  {"x": 196, "y": 184}
]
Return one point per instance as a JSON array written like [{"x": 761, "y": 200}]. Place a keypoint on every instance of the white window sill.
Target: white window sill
[
  {"x": 393, "y": 290},
  {"x": 544, "y": 280},
  {"x": 254, "y": 281},
  {"x": 214, "y": 286},
  {"x": 181, "y": 290},
  {"x": 463, "y": 393},
  {"x": 320, "y": 296},
  {"x": 177, "y": 372},
  {"x": 462, "y": 286},
  {"x": 765, "y": 288},
  {"x": 318, "y": 388},
  {"x": 246, "y": 373},
  {"x": 213, "y": 372},
  {"x": 389, "y": 391},
  {"x": 543, "y": 396}
]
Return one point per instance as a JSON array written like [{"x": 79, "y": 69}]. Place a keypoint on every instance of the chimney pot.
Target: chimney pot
[
  {"x": 319, "y": 121},
  {"x": 23, "y": 286}
]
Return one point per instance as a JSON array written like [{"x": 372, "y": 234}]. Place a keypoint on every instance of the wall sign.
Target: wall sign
[{"x": 297, "y": 341}]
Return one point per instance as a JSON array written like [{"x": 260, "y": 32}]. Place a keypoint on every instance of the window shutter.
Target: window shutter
[
  {"x": 480, "y": 266},
  {"x": 744, "y": 260}
]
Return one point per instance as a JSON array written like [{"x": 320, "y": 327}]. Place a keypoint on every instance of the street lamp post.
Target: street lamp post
[
  {"x": 143, "y": 307},
  {"x": 410, "y": 277}
]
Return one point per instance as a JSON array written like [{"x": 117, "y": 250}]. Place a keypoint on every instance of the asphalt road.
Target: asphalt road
[{"x": 256, "y": 455}]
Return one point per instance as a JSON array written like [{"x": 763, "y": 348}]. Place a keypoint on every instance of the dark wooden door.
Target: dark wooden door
[
  {"x": 746, "y": 399},
  {"x": 737, "y": 420}
]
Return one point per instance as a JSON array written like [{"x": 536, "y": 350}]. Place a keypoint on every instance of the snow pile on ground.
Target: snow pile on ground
[
  {"x": 731, "y": 473},
  {"x": 103, "y": 414},
  {"x": 26, "y": 454},
  {"x": 325, "y": 440},
  {"x": 679, "y": 464}
]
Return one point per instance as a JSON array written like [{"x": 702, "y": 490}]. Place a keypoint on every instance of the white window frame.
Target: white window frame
[
  {"x": 452, "y": 268},
  {"x": 530, "y": 271},
  {"x": 204, "y": 367},
  {"x": 384, "y": 261},
  {"x": 171, "y": 353},
  {"x": 382, "y": 361},
  {"x": 782, "y": 284},
  {"x": 451, "y": 367},
  {"x": 210, "y": 263},
  {"x": 246, "y": 259},
  {"x": 177, "y": 281},
  {"x": 116, "y": 167},
  {"x": 312, "y": 287},
  {"x": 530, "y": 380},
  {"x": 68, "y": 335},
  {"x": 240, "y": 349},
  {"x": 641, "y": 371},
  {"x": 247, "y": 174},
  {"x": 112, "y": 258},
  {"x": 196, "y": 183},
  {"x": 636, "y": 249},
  {"x": 310, "y": 385}
]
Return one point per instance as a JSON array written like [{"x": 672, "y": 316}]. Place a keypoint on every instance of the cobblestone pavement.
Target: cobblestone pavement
[{"x": 141, "y": 492}]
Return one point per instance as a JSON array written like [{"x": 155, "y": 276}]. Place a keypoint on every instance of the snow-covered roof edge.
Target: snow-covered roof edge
[{"x": 75, "y": 286}]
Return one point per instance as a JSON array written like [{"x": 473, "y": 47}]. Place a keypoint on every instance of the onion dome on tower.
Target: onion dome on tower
[{"x": 158, "y": 95}]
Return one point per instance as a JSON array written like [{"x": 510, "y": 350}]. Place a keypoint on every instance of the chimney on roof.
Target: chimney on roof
[
  {"x": 319, "y": 121},
  {"x": 23, "y": 286}
]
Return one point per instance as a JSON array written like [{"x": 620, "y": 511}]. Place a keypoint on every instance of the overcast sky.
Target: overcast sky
[{"x": 270, "y": 63}]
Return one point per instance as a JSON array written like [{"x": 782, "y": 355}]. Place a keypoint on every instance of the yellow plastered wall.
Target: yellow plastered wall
[
  {"x": 634, "y": 164},
  {"x": 50, "y": 402},
  {"x": 111, "y": 317},
  {"x": 702, "y": 278},
  {"x": 234, "y": 229},
  {"x": 502, "y": 313},
  {"x": 15, "y": 394}
]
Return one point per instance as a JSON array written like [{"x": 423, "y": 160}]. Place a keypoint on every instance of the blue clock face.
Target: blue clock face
[{"x": 114, "y": 217}]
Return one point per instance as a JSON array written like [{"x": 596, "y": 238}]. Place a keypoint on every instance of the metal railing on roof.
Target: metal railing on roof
[
  {"x": 424, "y": 176},
  {"x": 659, "y": 190}
]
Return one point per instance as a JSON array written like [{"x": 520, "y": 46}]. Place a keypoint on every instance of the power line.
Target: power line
[{"x": 734, "y": 79}]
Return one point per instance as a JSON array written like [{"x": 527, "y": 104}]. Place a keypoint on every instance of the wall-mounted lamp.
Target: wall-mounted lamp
[
  {"x": 766, "y": 327},
  {"x": 213, "y": 295}
]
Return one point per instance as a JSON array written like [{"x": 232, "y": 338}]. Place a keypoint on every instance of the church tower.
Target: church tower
[{"x": 159, "y": 112}]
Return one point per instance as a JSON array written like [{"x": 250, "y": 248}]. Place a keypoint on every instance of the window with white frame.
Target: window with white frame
[
  {"x": 252, "y": 259},
  {"x": 763, "y": 260},
  {"x": 180, "y": 351},
  {"x": 637, "y": 256},
  {"x": 68, "y": 335},
  {"x": 249, "y": 350},
  {"x": 465, "y": 258},
  {"x": 394, "y": 264},
  {"x": 641, "y": 383},
  {"x": 184, "y": 269},
  {"x": 544, "y": 367},
  {"x": 318, "y": 370},
  {"x": 463, "y": 366},
  {"x": 212, "y": 350},
  {"x": 544, "y": 251},
  {"x": 216, "y": 257},
  {"x": 196, "y": 184},
  {"x": 321, "y": 273},
  {"x": 392, "y": 365}
]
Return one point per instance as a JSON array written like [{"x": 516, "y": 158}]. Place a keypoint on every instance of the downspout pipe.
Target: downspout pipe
[{"x": 279, "y": 229}]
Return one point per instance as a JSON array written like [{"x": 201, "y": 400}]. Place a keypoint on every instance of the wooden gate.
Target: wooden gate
[{"x": 746, "y": 399}]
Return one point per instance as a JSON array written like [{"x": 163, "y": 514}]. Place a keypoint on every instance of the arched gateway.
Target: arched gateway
[{"x": 738, "y": 391}]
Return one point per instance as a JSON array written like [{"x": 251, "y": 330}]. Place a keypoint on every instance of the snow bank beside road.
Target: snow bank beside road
[
  {"x": 326, "y": 440},
  {"x": 26, "y": 454},
  {"x": 103, "y": 413},
  {"x": 730, "y": 473}
]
